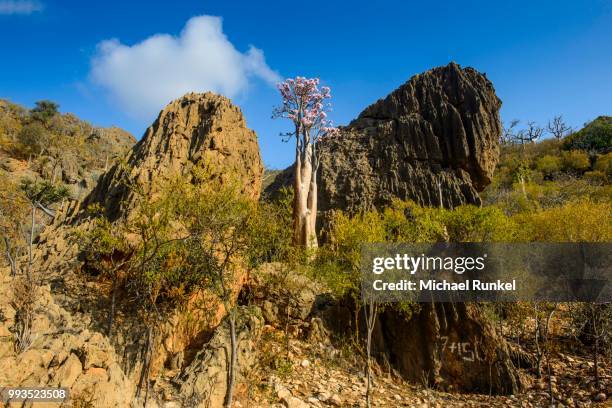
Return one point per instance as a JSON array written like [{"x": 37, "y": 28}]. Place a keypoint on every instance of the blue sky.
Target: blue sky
[{"x": 544, "y": 57}]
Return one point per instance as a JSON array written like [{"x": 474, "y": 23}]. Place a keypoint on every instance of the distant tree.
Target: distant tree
[
  {"x": 304, "y": 104},
  {"x": 44, "y": 110},
  {"x": 558, "y": 128},
  {"x": 530, "y": 134},
  {"x": 508, "y": 135}
]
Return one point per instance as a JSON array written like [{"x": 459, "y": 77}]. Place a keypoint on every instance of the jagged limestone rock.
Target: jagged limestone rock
[{"x": 195, "y": 130}]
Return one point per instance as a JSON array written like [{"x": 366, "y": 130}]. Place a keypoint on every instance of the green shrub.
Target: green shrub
[
  {"x": 549, "y": 165},
  {"x": 576, "y": 160},
  {"x": 604, "y": 164},
  {"x": 33, "y": 139},
  {"x": 469, "y": 223},
  {"x": 578, "y": 221}
]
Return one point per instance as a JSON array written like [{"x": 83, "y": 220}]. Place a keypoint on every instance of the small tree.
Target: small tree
[
  {"x": 34, "y": 139},
  {"x": 223, "y": 238},
  {"x": 342, "y": 267},
  {"x": 530, "y": 134},
  {"x": 105, "y": 249},
  {"x": 593, "y": 322},
  {"x": 44, "y": 110},
  {"x": 304, "y": 104},
  {"x": 543, "y": 313},
  {"x": 40, "y": 195},
  {"x": 558, "y": 128}
]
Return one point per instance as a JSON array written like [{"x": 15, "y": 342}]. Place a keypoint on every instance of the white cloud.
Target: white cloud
[
  {"x": 146, "y": 76},
  {"x": 19, "y": 6}
]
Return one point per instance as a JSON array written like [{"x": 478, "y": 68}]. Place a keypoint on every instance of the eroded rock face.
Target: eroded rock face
[
  {"x": 433, "y": 140},
  {"x": 196, "y": 130},
  {"x": 451, "y": 345}
]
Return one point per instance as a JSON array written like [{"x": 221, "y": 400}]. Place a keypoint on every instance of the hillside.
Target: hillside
[
  {"x": 61, "y": 148},
  {"x": 552, "y": 172}
]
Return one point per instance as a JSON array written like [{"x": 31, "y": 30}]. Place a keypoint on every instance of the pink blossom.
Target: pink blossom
[{"x": 305, "y": 105}]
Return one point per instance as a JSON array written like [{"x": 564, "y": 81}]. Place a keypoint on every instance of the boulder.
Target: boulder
[
  {"x": 452, "y": 346},
  {"x": 281, "y": 293}
]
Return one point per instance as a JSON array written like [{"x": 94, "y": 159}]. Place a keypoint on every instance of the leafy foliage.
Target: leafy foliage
[
  {"x": 44, "y": 110},
  {"x": 595, "y": 136},
  {"x": 544, "y": 175},
  {"x": 52, "y": 142}
]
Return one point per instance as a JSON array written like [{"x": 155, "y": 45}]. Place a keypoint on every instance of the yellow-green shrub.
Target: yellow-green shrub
[
  {"x": 604, "y": 164},
  {"x": 549, "y": 165},
  {"x": 579, "y": 221},
  {"x": 575, "y": 160}
]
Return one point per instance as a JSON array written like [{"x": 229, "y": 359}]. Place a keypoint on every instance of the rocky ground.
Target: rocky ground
[
  {"x": 61, "y": 352},
  {"x": 320, "y": 375}
]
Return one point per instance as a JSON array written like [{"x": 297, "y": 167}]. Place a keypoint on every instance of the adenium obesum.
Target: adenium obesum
[{"x": 306, "y": 105}]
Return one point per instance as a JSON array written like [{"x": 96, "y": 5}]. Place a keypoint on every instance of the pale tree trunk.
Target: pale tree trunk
[
  {"x": 370, "y": 313},
  {"x": 522, "y": 180},
  {"x": 305, "y": 200},
  {"x": 31, "y": 243},
  {"x": 231, "y": 377}
]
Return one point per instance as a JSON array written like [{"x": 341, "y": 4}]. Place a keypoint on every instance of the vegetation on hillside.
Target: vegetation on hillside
[
  {"x": 595, "y": 136},
  {"x": 58, "y": 147}
]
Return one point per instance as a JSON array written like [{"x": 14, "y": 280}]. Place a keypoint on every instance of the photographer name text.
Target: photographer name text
[{"x": 443, "y": 285}]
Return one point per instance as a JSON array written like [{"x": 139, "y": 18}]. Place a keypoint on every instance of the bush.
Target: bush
[
  {"x": 579, "y": 221},
  {"x": 596, "y": 177},
  {"x": 576, "y": 160},
  {"x": 604, "y": 164},
  {"x": 44, "y": 110},
  {"x": 33, "y": 139},
  {"x": 478, "y": 224},
  {"x": 549, "y": 165}
]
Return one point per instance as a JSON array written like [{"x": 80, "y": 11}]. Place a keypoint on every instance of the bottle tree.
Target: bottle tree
[{"x": 306, "y": 105}]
